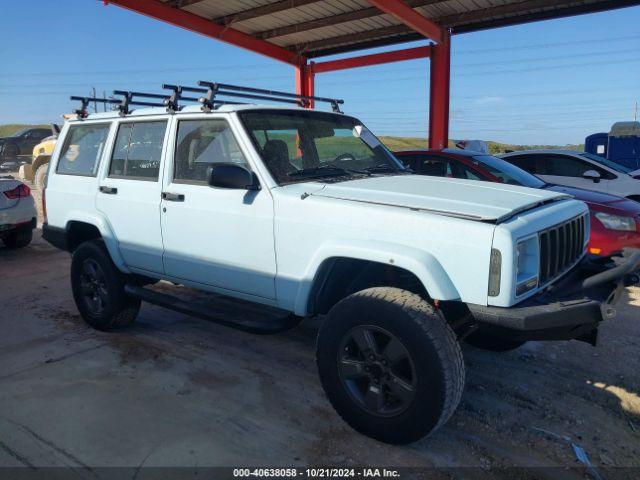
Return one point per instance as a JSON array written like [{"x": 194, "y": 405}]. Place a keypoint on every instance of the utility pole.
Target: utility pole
[
  {"x": 104, "y": 104},
  {"x": 635, "y": 113},
  {"x": 95, "y": 104}
]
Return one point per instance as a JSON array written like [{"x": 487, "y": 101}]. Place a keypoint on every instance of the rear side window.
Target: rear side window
[
  {"x": 201, "y": 143},
  {"x": 82, "y": 150},
  {"x": 138, "y": 151}
]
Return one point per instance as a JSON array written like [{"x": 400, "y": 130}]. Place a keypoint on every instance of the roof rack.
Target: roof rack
[
  {"x": 173, "y": 101},
  {"x": 216, "y": 89},
  {"x": 210, "y": 99},
  {"x": 83, "y": 112}
]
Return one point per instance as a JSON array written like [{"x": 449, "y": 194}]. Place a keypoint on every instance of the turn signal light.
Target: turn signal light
[{"x": 595, "y": 251}]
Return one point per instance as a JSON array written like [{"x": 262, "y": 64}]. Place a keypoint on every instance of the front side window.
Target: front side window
[
  {"x": 564, "y": 166},
  {"x": 138, "y": 150},
  {"x": 200, "y": 144},
  {"x": 298, "y": 146},
  {"x": 612, "y": 165},
  {"x": 82, "y": 150}
]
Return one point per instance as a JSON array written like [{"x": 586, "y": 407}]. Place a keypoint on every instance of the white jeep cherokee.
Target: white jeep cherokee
[{"x": 308, "y": 212}]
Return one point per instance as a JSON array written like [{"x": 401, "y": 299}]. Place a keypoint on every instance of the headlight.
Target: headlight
[
  {"x": 527, "y": 265},
  {"x": 616, "y": 222}
]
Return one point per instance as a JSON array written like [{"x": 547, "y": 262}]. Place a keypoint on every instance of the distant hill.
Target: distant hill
[{"x": 393, "y": 143}]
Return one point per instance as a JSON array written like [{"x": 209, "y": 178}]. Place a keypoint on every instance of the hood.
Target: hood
[{"x": 469, "y": 199}]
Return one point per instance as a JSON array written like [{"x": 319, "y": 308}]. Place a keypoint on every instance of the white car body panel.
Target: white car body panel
[{"x": 270, "y": 245}]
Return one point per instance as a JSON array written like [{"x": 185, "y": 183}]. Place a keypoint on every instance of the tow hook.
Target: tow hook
[{"x": 608, "y": 312}]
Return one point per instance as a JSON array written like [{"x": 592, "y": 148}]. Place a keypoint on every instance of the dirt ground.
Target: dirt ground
[{"x": 174, "y": 390}]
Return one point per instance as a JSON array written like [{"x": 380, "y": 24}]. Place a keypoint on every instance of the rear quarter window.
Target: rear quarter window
[{"x": 82, "y": 150}]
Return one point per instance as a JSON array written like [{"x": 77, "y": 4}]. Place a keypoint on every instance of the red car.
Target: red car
[{"x": 615, "y": 221}]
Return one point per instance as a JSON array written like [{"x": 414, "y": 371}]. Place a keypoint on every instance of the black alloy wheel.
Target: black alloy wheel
[{"x": 377, "y": 370}]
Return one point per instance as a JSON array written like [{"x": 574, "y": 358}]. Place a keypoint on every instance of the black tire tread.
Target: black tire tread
[
  {"x": 431, "y": 322},
  {"x": 127, "y": 308},
  {"x": 442, "y": 336}
]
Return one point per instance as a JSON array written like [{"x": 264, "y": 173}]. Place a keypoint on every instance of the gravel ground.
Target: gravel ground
[{"x": 173, "y": 390}]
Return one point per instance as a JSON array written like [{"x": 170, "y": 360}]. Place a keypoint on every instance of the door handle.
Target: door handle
[
  {"x": 173, "y": 197},
  {"x": 109, "y": 190}
]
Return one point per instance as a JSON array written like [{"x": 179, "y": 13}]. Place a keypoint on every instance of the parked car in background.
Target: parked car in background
[
  {"x": 37, "y": 171},
  {"x": 615, "y": 221},
  {"x": 17, "y": 213},
  {"x": 21, "y": 143},
  {"x": 578, "y": 169}
]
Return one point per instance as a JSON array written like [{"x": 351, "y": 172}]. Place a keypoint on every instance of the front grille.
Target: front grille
[{"x": 561, "y": 247}]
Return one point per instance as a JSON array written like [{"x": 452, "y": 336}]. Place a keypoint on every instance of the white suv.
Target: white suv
[{"x": 308, "y": 212}]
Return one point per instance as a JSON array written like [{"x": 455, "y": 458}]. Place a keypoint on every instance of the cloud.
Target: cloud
[{"x": 487, "y": 100}]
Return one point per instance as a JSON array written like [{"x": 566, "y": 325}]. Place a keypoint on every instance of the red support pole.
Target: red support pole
[
  {"x": 305, "y": 81},
  {"x": 439, "y": 93}
]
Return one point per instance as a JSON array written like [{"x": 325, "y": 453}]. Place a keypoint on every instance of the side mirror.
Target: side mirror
[
  {"x": 592, "y": 175},
  {"x": 233, "y": 176}
]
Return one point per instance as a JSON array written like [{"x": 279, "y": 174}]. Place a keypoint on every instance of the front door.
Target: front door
[
  {"x": 215, "y": 236},
  {"x": 129, "y": 193}
]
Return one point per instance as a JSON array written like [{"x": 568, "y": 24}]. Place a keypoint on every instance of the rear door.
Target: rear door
[{"x": 130, "y": 188}]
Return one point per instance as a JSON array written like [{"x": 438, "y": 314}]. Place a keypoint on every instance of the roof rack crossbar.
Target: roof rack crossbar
[
  {"x": 226, "y": 89},
  {"x": 83, "y": 112},
  {"x": 173, "y": 101}
]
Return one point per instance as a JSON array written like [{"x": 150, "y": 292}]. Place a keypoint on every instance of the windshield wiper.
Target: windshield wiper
[
  {"x": 325, "y": 170},
  {"x": 382, "y": 168}
]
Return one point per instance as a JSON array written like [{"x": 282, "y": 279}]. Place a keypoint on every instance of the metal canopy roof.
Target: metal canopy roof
[{"x": 313, "y": 28}]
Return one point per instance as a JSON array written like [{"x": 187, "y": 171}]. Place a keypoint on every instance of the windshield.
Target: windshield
[
  {"x": 612, "y": 165},
  {"x": 507, "y": 172},
  {"x": 298, "y": 146},
  {"x": 19, "y": 133}
]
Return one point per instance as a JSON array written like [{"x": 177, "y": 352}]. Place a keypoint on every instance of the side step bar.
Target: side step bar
[{"x": 269, "y": 325}]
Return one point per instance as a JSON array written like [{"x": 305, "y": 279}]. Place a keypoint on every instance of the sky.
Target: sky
[{"x": 552, "y": 82}]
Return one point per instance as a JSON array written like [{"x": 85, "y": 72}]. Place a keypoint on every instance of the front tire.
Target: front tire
[
  {"x": 98, "y": 288},
  {"x": 40, "y": 176},
  {"x": 390, "y": 364}
]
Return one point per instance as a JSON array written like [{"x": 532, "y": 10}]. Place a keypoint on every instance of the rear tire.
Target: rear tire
[
  {"x": 493, "y": 344},
  {"x": 98, "y": 288},
  {"x": 40, "y": 176},
  {"x": 390, "y": 364},
  {"x": 19, "y": 239}
]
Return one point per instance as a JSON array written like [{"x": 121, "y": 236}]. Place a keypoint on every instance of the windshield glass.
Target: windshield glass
[
  {"x": 298, "y": 146},
  {"x": 612, "y": 165},
  {"x": 507, "y": 172},
  {"x": 19, "y": 133}
]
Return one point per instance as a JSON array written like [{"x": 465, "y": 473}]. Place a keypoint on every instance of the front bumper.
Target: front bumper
[{"x": 572, "y": 308}]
